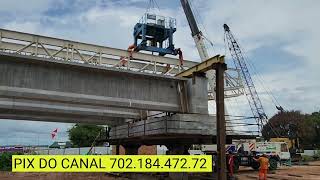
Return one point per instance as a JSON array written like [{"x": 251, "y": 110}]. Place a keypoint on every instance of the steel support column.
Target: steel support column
[{"x": 221, "y": 122}]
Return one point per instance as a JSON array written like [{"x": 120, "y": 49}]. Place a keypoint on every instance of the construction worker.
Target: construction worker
[
  {"x": 131, "y": 49},
  {"x": 123, "y": 61},
  {"x": 215, "y": 161},
  {"x": 264, "y": 164},
  {"x": 179, "y": 51},
  {"x": 230, "y": 164}
]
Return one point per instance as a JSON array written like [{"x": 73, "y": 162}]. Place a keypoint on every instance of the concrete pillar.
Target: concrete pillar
[
  {"x": 117, "y": 149},
  {"x": 131, "y": 149},
  {"x": 178, "y": 149},
  {"x": 198, "y": 94}
]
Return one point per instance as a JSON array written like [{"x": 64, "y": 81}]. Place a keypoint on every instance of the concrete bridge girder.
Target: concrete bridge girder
[
  {"x": 61, "y": 118},
  {"x": 30, "y": 86},
  {"x": 63, "y": 108}
]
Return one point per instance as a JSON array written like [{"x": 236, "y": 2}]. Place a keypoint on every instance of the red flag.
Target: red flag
[{"x": 54, "y": 133}]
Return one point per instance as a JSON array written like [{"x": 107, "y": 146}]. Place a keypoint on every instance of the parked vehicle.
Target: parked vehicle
[
  {"x": 244, "y": 153},
  {"x": 294, "y": 147}
]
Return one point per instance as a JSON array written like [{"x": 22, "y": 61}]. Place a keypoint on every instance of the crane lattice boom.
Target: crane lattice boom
[{"x": 249, "y": 88}]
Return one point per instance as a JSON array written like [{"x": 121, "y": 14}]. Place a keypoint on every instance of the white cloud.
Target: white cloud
[
  {"x": 260, "y": 23},
  {"x": 267, "y": 22},
  {"x": 30, "y": 6},
  {"x": 31, "y": 27}
]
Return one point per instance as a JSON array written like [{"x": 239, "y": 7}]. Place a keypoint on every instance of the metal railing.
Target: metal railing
[
  {"x": 167, "y": 22},
  {"x": 161, "y": 126},
  {"x": 66, "y": 50}
]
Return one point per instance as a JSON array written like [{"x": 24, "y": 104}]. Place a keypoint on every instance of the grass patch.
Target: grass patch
[
  {"x": 6, "y": 160},
  {"x": 307, "y": 158}
]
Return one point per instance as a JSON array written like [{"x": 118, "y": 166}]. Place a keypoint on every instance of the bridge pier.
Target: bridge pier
[
  {"x": 131, "y": 149},
  {"x": 117, "y": 149},
  {"x": 178, "y": 149}
]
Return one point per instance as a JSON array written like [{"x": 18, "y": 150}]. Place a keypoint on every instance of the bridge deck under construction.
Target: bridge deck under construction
[{"x": 173, "y": 129}]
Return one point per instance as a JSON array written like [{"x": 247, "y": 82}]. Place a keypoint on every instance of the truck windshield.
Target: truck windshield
[{"x": 284, "y": 148}]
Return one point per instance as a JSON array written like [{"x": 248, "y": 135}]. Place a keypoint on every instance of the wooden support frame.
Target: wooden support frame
[
  {"x": 202, "y": 67},
  {"x": 221, "y": 122},
  {"x": 217, "y": 63}
]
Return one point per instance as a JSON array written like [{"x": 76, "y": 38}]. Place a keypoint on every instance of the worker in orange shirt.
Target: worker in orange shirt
[
  {"x": 264, "y": 164},
  {"x": 230, "y": 164},
  {"x": 131, "y": 49}
]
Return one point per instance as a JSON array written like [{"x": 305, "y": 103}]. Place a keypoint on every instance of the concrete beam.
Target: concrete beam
[
  {"x": 64, "y": 108},
  {"x": 61, "y": 118},
  {"x": 33, "y": 88},
  {"x": 23, "y": 77}
]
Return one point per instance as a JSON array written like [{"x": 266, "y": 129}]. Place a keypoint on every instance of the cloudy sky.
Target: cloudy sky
[{"x": 280, "y": 39}]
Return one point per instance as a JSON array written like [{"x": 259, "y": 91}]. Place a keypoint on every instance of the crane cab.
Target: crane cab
[{"x": 155, "y": 33}]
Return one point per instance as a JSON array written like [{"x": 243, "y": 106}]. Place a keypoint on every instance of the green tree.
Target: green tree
[
  {"x": 313, "y": 129},
  {"x": 5, "y": 160},
  {"x": 83, "y": 135},
  {"x": 285, "y": 124},
  {"x": 294, "y": 124}
]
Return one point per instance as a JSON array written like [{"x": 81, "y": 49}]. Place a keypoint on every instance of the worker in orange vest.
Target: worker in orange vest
[
  {"x": 264, "y": 164},
  {"x": 230, "y": 164}
]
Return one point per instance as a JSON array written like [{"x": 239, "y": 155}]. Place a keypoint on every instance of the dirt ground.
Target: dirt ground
[
  {"x": 56, "y": 176},
  {"x": 303, "y": 172}
]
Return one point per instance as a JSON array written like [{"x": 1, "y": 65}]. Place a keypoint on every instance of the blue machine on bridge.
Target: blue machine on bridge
[{"x": 155, "y": 33}]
